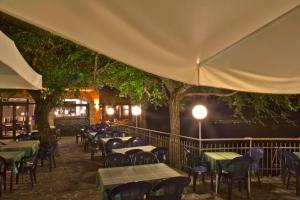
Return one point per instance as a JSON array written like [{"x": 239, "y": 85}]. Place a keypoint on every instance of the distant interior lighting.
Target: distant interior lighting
[{"x": 110, "y": 111}]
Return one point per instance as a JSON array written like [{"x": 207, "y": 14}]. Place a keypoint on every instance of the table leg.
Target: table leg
[
  {"x": 11, "y": 180},
  {"x": 249, "y": 181},
  {"x": 217, "y": 183}
]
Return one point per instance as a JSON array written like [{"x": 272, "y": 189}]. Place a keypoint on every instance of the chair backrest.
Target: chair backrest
[
  {"x": 161, "y": 154},
  {"x": 257, "y": 154},
  {"x": 35, "y": 159},
  {"x": 116, "y": 160},
  {"x": 240, "y": 166},
  {"x": 190, "y": 160},
  {"x": 292, "y": 162},
  {"x": 3, "y": 165},
  {"x": 124, "y": 134},
  {"x": 35, "y": 136},
  {"x": 23, "y": 137},
  {"x": 130, "y": 191},
  {"x": 131, "y": 153},
  {"x": 52, "y": 146},
  {"x": 171, "y": 188},
  {"x": 135, "y": 142},
  {"x": 116, "y": 133},
  {"x": 143, "y": 157},
  {"x": 113, "y": 143}
]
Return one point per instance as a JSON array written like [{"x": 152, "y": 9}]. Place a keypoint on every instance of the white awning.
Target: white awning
[
  {"x": 15, "y": 73},
  {"x": 249, "y": 45}
]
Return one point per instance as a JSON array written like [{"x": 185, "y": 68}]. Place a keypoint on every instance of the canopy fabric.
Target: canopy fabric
[
  {"x": 15, "y": 73},
  {"x": 248, "y": 45}
]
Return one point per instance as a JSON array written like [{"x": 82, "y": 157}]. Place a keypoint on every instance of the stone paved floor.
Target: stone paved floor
[{"x": 74, "y": 178}]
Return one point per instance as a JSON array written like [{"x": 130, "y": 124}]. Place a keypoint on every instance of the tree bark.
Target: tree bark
[{"x": 41, "y": 112}]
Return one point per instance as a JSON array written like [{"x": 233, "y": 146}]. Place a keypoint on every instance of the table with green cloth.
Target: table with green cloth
[
  {"x": 93, "y": 134},
  {"x": 219, "y": 157},
  {"x": 297, "y": 154},
  {"x": 144, "y": 148},
  {"x": 12, "y": 158},
  {"x": 105, "y": 140},
  {"x": 29, "y": 147},
  {"x": 107, "y": 178}
]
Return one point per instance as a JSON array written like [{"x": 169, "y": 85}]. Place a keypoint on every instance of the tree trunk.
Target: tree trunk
[
  {"x": 174, "y": 112},
  {"x": 42, "y": 111}
]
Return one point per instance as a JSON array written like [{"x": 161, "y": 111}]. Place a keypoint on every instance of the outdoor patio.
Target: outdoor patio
[{"x": 75, "y": 177}]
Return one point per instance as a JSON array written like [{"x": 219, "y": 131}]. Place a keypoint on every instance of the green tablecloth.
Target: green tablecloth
[
  {"x": 297, "y": 154},
  {"x": 104, "y": 140},
  {"x": 108, "y": 178},
  {"x": 144, "y": 148},
  {"x": 92, "y": 134},
  {"x": 29, "y": 147},
  {"x": 222, "y": 157},
  {"x": 12, "y": 158}
]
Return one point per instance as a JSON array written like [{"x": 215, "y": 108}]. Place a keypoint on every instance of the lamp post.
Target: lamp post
[
  {"x": 199, "y": 112},
  {"x": 110, "y": 111},
  {"x": 136, "y": 111}
]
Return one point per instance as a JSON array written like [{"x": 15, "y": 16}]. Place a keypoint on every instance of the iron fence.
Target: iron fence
[{"x": 270, "y": 164}]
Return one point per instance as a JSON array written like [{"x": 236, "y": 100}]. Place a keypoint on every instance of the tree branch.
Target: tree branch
[{"x": 211, "y": 94}]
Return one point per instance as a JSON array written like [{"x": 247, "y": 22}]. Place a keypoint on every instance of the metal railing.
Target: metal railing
[{"x": 270, "y": 164}]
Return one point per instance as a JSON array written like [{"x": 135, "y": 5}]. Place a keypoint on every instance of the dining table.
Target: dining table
[
  {"x": 222, "y": 158},
  {"x": 107, "y": 178},
  {"x": 147, "y": 148},
  {"x": 12, "y": 159},
  {"x": 29, "y": 147}
]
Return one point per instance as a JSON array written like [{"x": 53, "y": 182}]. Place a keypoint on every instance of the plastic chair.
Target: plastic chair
[
  {"x": 124, "y": 134},
  {"x": 143, "y": 157},
  {"x": 48, "y": 152},
  {"x": 35, "y": 136},
  {"x": 197, "y": 166},
  {"x": 257, "y": 154},
  {"x": 113, "y": 143},
  {"x": 293, "y": 169},
  {"x": 236, "y": 170},
  {"x": 116, "y": 160},
  {"x": 23, "y": 137},
  {"x": 135, "y": 142},
  {"x": 131, "y": 153},
  {"x": 171, "y": 188},
  {"x": 130, "y": 191},
  {"x": 29, "y": 165},
  {"x": 161, "y": 154},
  {"x": 3, "y": 168}
]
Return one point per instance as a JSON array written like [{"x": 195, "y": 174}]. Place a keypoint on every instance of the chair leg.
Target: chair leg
[
  {"x": 194, "y": 181},
  {"x": 298, "y": 185},
  {"x": 240, "y": 186},
  {"x": 258, "y": 179},
  {"x": 50, "y": 163},
  {"x": 0, "y": 187},
  {"x": 229, "y": 182},
  {"x": 11, "y": 181},
  {"x": 248, "y": 192},
  {"x": 203, "y": 178},
  {"x": 288, "y": 181},
  {"x": 34, "y": 176},
  {"x": 54, "y": 162},
  {"x": 212, "y": 182},
  {"x": 31, "y": 178},
  {"x": 4, "y": 182}
]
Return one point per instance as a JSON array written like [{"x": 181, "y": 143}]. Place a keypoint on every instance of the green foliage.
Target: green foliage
[
  {"x": 262, "y": 108},
  {"x": 140, "y": 86}
]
